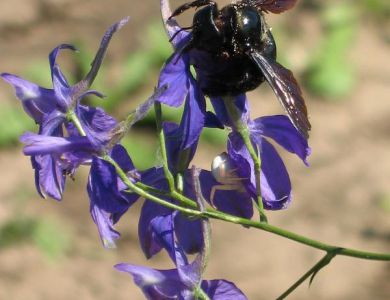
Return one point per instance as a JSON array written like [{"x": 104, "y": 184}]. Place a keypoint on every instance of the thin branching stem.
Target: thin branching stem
[
  {"x": 132, "y": 186},
  {"x": 201, "y": 295},
  {"x": 243, "y": 130},
  {"x": 161, "y": 136},
  {"x": 72, "y": 117},
  {"x": 191, "y": 209},
  {"x": 298, "y": 238},
  {"x": 206, "y": 227},
  {"x": 311, "y": 273}
]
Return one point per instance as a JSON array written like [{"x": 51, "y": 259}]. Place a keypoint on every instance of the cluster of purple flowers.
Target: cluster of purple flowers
[{"x": 72, "y": 134}]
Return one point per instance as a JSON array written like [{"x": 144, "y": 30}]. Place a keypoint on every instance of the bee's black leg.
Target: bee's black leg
[{"x": 188, "y": 5}]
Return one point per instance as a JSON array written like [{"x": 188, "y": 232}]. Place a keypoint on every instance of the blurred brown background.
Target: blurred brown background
[{"x": 338, "y": 50}]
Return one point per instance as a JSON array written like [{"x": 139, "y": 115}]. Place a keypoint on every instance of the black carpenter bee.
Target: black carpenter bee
[{"x": 242, "y": 53}]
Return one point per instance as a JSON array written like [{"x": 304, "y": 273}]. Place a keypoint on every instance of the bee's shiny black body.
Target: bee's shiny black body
[
  {"x": 228, "y": 36},
  {"x": 233, "y": 51}
]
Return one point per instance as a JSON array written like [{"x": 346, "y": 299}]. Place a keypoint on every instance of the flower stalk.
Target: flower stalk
[
  {"x": 72, "y": 117},
  {"x": 206, "y": 224},
  {"x": 214, "y": 214},
  {"x": 243, "y": 130},
  {"x": 141, "y": 192},
  {"x": 206, "y": 230},
  {"x": 161, "y": 137},
  {"x": 200, "y": 294},
  {"x": 311, "y": 273}
]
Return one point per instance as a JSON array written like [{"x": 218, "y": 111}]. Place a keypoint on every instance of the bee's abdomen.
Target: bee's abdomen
[{"x": 230, "y": 77}]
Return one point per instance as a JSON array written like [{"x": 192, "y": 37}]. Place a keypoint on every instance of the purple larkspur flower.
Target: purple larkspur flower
[
  {"x": 55, "y": 156},
  {"x": 108, "y": 194},
  {"x": 183, "y": 87},
  {"x": 168, "y": 284},
  {"x": 181, "y": 141},
  {"x": 187, "y": 230},
  {"x": 274, "y": 178},
  {"x": 50, "y": 109},
  {"x": 185, "y": 280}
]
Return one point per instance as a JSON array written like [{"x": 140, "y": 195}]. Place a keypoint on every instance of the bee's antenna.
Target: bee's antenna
[
  {"x": 187, "y": 46},
  {"x": 185, "y": 6},
  {"x": 177, "y": 32}
]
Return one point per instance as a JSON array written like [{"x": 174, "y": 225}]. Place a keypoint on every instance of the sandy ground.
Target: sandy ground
[{"x": 341, "y": 199}]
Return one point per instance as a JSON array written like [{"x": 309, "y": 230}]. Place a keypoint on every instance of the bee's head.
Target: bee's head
[
  {"x": 205, "y": 33},
  {"x": 249, "y": 25}
]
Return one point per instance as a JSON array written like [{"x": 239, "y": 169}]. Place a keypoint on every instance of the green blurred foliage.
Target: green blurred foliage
[
  {"x": 39, "y": 72},
  {"x": 214, "y": 137},
  {"x": 376, "y": 9},
  {"x": 384, "y": 202},
  {"x": 140, "y": 66},
  {"x": 13, "y": 122},
  {"x": 329, "y": 72},
  {"x": 134, "y": 74},
  {"x": 141, "y": 149},
  {"x": 51, "y": 238},
  {"x": 17, "y": 231}
]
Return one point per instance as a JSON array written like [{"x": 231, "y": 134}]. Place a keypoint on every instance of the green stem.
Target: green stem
[
  {"x": 151, "y": 189},
  {"x": 245, "y": 135},
  {"x": 161, "y": 136},
  {"x": 183, "y": 199},
  {"x": 71, "y": 116},
  {"x": 201, "y": 295},
  {"x": 311, "y": 273},
  {"x": 206, "y": 227},
  {"x": 180, "y": 183},
  {"x": 174, "y": 195},
  {"x": 242, "y": 129},
  {"x": 212, "y": 213},
  {"x": 122, "y": 175},
  {"x": 298, "y": 238}
]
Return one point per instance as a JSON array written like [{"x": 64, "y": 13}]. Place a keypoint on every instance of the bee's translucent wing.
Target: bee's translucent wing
[
  {"x": 287, "y": 90},
  {"x": 274, "y": 6}
]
